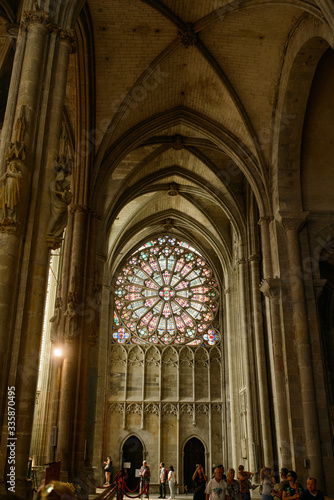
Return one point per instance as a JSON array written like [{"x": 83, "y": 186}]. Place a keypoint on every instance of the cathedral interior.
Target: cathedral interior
[{"x": 166, "y": 237}]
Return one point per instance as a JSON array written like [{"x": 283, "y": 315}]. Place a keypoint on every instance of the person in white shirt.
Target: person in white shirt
[
  {"x": 216, "y": 487},
  {"x": 171, "y": 481}
]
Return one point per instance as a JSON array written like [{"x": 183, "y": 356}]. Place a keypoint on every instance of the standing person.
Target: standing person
[
  {"x": 223, "y": 472},
  {"x": 120, "y": 478},
  {"x": 199, "y": 478},
  {"x": 108, "y": 469},
  {"x": 216, "y": 487},
  {"x": 266, "y": 483},
  {"x": 243, "y": 477},
  {"x": 311, "y": 493},
  {"x": 294, "y": 489},
  {"x": 171, "y": 481},
  {"x": 283, "y": 483},
  {"x": 163, "y": 477},
  {"x": 233, "y": 487},
  {"x": 145, "y": 475}
]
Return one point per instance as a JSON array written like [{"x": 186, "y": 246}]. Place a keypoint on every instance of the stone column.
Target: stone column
[
  {"x": 270, "y": 287},
  {"x": 89, "y": 338},
  {"x": 69, "y": 400},
  {"x": 261, "y": 367},
  {"x": 245, "y": 340},
  {"x": 26, "y": 74},
  {"x": 291, "y": 223}
]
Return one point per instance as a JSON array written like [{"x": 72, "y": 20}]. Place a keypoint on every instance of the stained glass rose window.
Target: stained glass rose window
[{"x": 166, "y": 294}]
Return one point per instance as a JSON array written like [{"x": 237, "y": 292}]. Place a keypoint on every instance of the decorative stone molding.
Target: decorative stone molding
[
  {"x": 291, "y": 220},
  {"x": 215, "y": 356},
  {"x": 187, "y": 409},
  {"x": 270, "y": 287},
  {"x": 135, "y": 408},
  {"x": 151, "y": 408},
  {"x": 169, "y": 409},
  {"x": 153, "y": 356},
  {"x": 170, "y": 357},
  {"x": 189, "y": 37},
  {"x": 202, "y": 408},
  {"x": 202, "y": 358},
  {"x": 187, "y": 357},
  {"x": 216, "y": 408},
  {"x": 227, "y": 290},
  {"x": 116, "y": 407},
  {"x": 136, "y": 357},
  {"x": 118, "y": 355}
]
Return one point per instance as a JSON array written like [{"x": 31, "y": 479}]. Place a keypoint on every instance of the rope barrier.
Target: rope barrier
[{"x": 131, "y": 491}]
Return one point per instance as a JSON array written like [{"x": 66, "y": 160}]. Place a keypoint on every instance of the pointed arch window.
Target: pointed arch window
[{"x": 166, "y": 294}]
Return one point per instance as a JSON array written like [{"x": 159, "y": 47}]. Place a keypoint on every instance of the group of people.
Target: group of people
[
  {"x": 222, "y": 487},
  {"x": 288, "y": 488}
]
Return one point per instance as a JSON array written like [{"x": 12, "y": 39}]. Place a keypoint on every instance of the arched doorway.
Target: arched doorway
[
  {"x": 194, "y": 454},
  {"x": 133, "y": 453}
]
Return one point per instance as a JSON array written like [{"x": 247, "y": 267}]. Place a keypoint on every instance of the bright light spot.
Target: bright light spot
[{"x": 58, "y": 352}]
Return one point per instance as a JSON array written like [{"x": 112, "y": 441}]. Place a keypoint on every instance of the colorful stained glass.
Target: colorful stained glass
[{"x": 165, "y": 294}]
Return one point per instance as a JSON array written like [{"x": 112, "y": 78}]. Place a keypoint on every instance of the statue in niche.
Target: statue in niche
[
  {"x": 55, "y": 320},
  {"x": 10, "y": 191},
  {"x": 70, "y": 322},
  {"x": 61, "y": 197}
]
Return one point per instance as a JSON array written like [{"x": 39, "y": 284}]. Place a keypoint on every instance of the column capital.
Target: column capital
[
  {"x": 67, "y": 36},
  {"x": 266, "y": 219},
  {"x": 270, "y": 287},
  {"x": 241, "y": 261},
  {"x": 95, "y": 214},
  {"x": 31, "y": 17},
  {"x": 291, "y": 220},
  {"x": 80, "y": 209}
]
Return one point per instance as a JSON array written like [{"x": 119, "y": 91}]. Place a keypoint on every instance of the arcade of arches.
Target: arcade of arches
[{"x": 167, "y": 229}]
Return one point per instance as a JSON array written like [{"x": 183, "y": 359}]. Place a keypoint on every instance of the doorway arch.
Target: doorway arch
[
  {"x": 194, "y": 453},
  {"x": 132, "y": 451}
]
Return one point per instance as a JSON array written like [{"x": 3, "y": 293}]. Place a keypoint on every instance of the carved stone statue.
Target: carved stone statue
[
  {"x": 61, "y": 196},
  {"x": 10, "y": 191},
  {"x": 70, "y": 322},
  {"x": 55, "y": 320}
]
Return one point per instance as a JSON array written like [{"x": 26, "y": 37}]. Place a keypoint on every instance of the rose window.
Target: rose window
[{"x": 166, "y": 294}]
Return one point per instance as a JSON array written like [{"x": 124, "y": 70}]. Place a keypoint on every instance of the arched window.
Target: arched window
[{"x": 165, "y": 294}]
